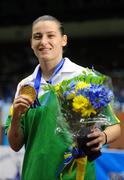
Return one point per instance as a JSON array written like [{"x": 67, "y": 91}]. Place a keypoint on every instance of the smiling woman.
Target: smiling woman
[
  {"x": 47, "y": 43},
  {"x": 34, "y": 124}
]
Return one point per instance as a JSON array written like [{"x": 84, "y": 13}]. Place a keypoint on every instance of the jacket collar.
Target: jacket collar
[{"x": 64, "y": 69}]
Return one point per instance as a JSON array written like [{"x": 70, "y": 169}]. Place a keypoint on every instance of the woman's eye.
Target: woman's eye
[
  {"x": 51, "y": 36},
  {"x": 37, "y": 36}
]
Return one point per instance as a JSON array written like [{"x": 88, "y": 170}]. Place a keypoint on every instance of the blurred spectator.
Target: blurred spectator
[{"x": 0, "y": 122}]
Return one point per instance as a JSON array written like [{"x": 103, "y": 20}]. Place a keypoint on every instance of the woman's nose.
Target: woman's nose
[{"x": 44, "y": 40}]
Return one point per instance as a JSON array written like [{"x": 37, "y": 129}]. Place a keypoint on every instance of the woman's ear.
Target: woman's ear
[{"x": 64, "y": 42}]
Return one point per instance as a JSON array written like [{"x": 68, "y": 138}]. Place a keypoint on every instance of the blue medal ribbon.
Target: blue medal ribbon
[
  {"x": 38, "y": 80},
  {"x": 58, "y": 67}
]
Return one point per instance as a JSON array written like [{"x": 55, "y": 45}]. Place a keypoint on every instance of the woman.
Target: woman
[{"x": 35, "y": 128}]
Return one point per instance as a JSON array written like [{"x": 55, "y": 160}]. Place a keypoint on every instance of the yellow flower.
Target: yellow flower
[
  {"x": 80, "y": 102},
  {"x": 87, "y": 112},
  {"x": 82, "y": 105},
  {"x": 81, "y": 85},
  {"x": 11, "y": 110},
  {"x": 57, "y": 87},
  {"x": 70, "y": 96}
]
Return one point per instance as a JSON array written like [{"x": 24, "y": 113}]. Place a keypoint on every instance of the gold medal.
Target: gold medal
[{"x": 28, "y": 91}]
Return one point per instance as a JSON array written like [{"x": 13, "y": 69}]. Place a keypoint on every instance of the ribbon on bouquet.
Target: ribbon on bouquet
[{"x": 72, "y": 156}]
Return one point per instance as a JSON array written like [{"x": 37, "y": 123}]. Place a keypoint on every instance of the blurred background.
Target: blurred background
[{"x": 95, "y": 30}]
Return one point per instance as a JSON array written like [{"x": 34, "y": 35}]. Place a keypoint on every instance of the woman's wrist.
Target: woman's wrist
[{"x": 105, "y": 136}]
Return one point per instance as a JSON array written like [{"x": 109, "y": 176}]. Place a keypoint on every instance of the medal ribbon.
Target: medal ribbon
[{"x": 39, "y": 77}]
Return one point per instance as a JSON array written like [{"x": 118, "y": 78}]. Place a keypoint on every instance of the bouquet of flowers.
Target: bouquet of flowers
[{"x": 82, "y": 100}]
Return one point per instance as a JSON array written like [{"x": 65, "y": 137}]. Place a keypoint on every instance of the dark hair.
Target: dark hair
[{"x": 49, "y": 18}]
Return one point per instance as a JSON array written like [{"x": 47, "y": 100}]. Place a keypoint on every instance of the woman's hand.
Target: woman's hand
[
  {"x": 15, "y": 132},
  {"x": 20, "y": 106},
  {"x": 99, "y": 139}
]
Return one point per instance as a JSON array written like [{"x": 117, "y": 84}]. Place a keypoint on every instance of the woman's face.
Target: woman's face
[{"x": 47, "y": 41}]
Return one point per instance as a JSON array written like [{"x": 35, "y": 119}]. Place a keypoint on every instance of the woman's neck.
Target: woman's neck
[{"x": 48, "y": 69}]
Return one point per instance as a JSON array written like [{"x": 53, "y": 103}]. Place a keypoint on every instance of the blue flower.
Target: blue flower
[
  {"x": 66, "y": 93},
  {"x": 99, "y": 95},
  {"x": 72, "y": 85}
]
